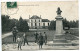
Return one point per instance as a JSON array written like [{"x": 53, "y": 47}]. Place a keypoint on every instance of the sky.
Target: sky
[{"x": 47, "y": 9}]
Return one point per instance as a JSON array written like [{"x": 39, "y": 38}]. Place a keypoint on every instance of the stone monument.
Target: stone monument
[
  {"x": 59, "y": 24},
  {"x": 59, "y": 37}
]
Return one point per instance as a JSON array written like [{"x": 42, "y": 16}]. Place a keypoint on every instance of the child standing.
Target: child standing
[
  {"x": 40, "y": 41},
  {"x": 19, "y": 41}
]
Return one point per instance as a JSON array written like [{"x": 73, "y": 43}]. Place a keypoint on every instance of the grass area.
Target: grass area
[
  {"x": 50, "y": 35},
  {"x": 30, "y": 35},
  {"x": 74, "y": 32}
]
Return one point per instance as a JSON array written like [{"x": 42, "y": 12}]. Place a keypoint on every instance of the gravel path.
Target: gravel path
[{"x": 7, "y": 34}]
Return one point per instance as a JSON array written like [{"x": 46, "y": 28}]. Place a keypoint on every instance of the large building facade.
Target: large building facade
[{"x": 35, "y": 22}]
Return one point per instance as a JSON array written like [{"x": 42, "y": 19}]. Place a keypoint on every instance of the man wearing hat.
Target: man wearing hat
[{"x": 14, "y": 31}]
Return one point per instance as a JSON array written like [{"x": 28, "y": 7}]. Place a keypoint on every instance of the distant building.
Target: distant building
[{"x": 37, "y": 22}]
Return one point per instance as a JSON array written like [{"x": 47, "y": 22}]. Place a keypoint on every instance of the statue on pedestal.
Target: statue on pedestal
[{"x": 58, "y": 11}]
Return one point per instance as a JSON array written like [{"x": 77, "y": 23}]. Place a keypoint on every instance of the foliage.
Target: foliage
[
  {"x": 22, "y": 25},
  {"x": 52, "y": 25},
  {"x": 8, "y": 24},
  {"x": 66, "y": 23},
  {"x": 74, "y": 24},
  {"x": 70, "y": 24}
]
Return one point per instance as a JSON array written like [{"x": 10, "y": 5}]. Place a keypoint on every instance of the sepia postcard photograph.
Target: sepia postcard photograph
[{"x": 40, "y": 25}]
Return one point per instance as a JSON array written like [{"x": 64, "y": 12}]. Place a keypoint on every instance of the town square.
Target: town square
[{"x": 39, "y": 26}]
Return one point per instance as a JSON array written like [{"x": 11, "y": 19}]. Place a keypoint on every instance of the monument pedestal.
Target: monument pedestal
[{"x": 59, "y": 37}]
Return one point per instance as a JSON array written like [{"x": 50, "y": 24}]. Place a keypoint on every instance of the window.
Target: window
[
  {"x": 39, "y": 20},
  {"x": 31, "y": 21},
  {"x": 35, "y": 20},
  {"x": 43, "y": 24},
  {"x": 48, "y": 24},
  {"x": 35, "y": 24}
]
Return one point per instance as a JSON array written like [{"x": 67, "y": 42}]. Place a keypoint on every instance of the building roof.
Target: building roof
[
  {"x": 45, "y": 20},
  {"x": 35, "y": 17},
  {"x": 26, "y": 20}
]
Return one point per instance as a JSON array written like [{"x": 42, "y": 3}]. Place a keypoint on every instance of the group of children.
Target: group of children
[
  {"x": 21, "y": 40},
  {"x": 39, "y": 39}
]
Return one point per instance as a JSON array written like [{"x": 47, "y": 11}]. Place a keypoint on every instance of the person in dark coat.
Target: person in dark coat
[
  {"x": 36, "y": 37},
  {"x": 14, "y": 31},
  {"x": 40, "y": 40},
  {"x": 25, "y": 39}
]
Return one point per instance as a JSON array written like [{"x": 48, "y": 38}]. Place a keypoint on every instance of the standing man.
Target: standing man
[
  {"x": 45, "y": 38},
  {"x": 40, "y": 41},
  {"x": 14, "y": 31},
  {"x": 25, "y": 38},
  {"x": 36, "y": 37}
]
